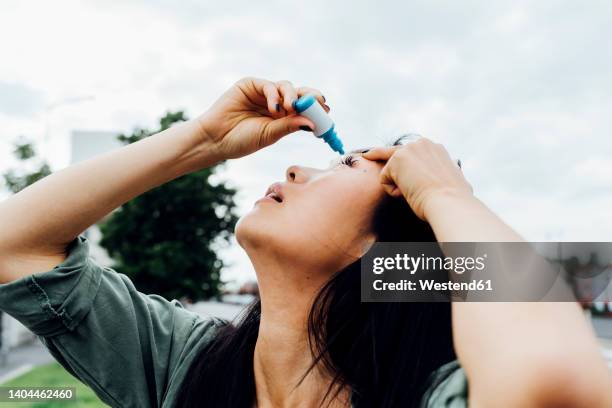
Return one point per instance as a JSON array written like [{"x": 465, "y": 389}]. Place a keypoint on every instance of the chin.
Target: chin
[
  {"x": 241, "y": 230},
  {"x": 261, "y": 232},
  {"x": 252, "y": 231}
]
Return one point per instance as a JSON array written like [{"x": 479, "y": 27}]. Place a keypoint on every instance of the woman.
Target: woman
[{"x": 309, "y": 342}]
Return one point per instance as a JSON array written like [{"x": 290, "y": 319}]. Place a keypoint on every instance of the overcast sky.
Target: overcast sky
[{"x": 520, "y": 91}]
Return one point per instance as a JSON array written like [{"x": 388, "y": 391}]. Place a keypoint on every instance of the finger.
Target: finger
[
  {"x": 260, "y": 93},
  {"x": 305, "y": 90},
  {"x": 273, "y": 99},
  {"x": 288, "y": 94},
  {"x": 388, "y": 183},
  {"x": 277, "y": 128},
  {"x": 445, "y": 155},
  {"x": 392, "y": 190},
  {"x": 380, "y": 153}
]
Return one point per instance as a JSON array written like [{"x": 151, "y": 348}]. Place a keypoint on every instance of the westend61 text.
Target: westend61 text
[{"x": 429, "y": 285}]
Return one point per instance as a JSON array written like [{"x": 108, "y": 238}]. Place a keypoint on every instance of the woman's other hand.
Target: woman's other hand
[
  {"x": 420, "y": 171},
  {"x": 252, "y": 114}
]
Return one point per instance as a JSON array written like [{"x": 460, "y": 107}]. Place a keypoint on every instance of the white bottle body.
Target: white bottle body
[{"x": 319, "y": 117}]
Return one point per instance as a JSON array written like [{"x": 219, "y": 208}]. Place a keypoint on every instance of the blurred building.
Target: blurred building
[
  {"x": 249, "y": 288},
  {"x": 84, "y": 145}
]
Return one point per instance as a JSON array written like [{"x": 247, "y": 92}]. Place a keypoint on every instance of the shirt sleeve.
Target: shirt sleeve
[
  {"x": 448, "y": 388},
  {"x": 127, "y": 346}
]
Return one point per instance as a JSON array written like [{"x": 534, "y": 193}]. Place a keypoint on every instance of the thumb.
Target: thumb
[{"x": 277, "y": 128}]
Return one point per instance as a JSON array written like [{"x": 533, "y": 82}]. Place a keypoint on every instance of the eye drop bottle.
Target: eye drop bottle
[{"x": 308, "y": 106}]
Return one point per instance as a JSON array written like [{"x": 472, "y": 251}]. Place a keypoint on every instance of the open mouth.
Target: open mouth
[{"x": 275, "y": 192}]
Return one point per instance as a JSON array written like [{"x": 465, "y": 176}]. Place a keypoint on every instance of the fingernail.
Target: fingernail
[
  {"x": 278, "y": 107},
  {"x": 324, "y": 100},
  {"x": 328, "y": 108},
  {"x": 306, "y": 128}
]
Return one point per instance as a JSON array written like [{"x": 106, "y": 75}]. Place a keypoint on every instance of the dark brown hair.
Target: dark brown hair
[{"x": 382, "y": 352}]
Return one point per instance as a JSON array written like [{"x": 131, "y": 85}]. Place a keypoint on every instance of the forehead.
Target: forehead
[{"x": 360, "y": 151}]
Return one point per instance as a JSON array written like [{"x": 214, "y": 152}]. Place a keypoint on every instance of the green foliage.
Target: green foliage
[
  {"x": 165, "y": 239},
  {"x": 31, "y": 171},
  {"x": 24, "y": 151}
]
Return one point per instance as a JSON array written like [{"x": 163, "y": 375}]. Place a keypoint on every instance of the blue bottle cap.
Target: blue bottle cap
[
  {"x": 331, "y": 138},
  {"x": 300, "y": 105}
]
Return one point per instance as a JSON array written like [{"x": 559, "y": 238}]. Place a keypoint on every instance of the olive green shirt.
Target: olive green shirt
[{"x": 133, "y": 349}]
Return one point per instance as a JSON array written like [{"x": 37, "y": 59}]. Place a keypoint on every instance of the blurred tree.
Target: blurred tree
[
  {"x": 30, "y": 170},
  {"x": 165, "y": 239}
]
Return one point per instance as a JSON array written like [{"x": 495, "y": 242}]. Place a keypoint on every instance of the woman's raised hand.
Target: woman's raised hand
[
  {"x": 252, "y": 114},
  {"x": 420, "y": 171}
]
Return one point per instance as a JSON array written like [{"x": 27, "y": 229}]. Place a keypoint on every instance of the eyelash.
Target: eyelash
[{"x": 349, "y": 160}]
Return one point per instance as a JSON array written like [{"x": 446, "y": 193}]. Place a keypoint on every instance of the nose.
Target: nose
[{"x": 299, "y": 174}]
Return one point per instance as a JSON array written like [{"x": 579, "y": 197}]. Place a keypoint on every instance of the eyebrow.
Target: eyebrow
[{"x": 362, "y": 150}]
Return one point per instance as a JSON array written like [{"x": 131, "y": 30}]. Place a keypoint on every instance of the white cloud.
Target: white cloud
[{"x": 518, "y": 90}]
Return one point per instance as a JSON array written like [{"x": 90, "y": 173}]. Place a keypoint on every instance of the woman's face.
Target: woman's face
[{"x": 320, "y": 218}]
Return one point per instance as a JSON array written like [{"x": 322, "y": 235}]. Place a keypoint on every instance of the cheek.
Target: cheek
[
  {"x": 299, "y": 236},
  {"x": 339, "y": 213},
  {"x": 287, "y": 230},
  {"x": 322, "y": 221},
  {"x": 357, "y": 195},
  {"x": 332, "y": 202}
]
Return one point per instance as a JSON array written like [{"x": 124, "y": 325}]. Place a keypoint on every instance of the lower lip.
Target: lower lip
[{"x": 266, "y": 200}]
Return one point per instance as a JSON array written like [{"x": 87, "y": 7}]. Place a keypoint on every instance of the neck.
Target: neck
[
  {"x": 282, "y": 352},
  {"x": 282, "y": 357}
]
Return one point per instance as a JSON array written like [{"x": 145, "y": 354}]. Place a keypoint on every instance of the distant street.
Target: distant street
[
  {"x": 23, "y": 358},
  {"x": 216, "y": 309},
  {"x": 603, "y": 327}
]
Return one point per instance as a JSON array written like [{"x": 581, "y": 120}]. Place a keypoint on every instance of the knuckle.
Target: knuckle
[
  {"x": 424, "y": 142},
  {"x": 284, "y": 82},
  {"x": 408, "y": 149},
  {"x": 266, "y": 133},
  {"x": 288, "y": 127},
  {"x": 403, "y": 152},
  {"x": 245, "y": 80},
  {"x": 390, "y": 170}
]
